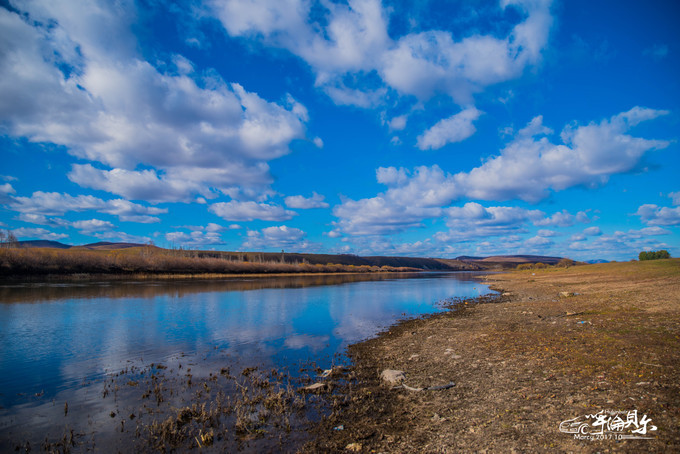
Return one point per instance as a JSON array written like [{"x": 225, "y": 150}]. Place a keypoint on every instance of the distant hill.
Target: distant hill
[
  {"x": 102, "y": 245},
  {"x": 523, "y": 259},
  {"x": 462, "y": 263},
  {"x": 107, "y": 246},
  {"x": 508, "y": 261},
  {"x": 43, "y": 243}
]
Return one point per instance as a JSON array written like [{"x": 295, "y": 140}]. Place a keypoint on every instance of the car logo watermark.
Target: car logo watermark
[{"x": 609, "y": 425}]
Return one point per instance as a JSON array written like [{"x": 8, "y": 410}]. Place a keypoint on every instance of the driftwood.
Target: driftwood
[{"x": 428, "y": 388}]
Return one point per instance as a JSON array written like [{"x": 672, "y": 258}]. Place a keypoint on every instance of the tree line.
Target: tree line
[{"x": 654, "y": 255}]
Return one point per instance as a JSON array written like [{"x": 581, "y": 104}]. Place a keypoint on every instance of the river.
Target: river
[{"x": 61, "y": 342}]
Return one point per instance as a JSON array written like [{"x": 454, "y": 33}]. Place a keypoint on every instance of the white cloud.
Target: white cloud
[
  {"x": 450, "y": 130},
  {"x": 381, "y": 245},
  {"x": 54, "y": 204},
  {"x": 538, "y": 242},
  {"x": 276, "y": 237},
  {"x": 136, "y": 185},
  {"x": 410, "y": 198},
  {"x": 528, "y": 168},
  {"x": 6, "y": 190},
  {"x": 535, "y": 128},
  {"x": 398, "y": 123},
  {"x": 588, "y": 232},
  {"x": 23, "y": 233},
  {"x": 302, "y": 203},
  {"x": 654, "y": 215},
  {"x": 577, "y": 237},
  {"x": 675, "y": 196},
  {"x": 39, "y": 219},
  {"x": 564, "y": 219},
  {"x": 352, "y": 39},
  {"x": 621, "y": 245},
  {"x": 318, "y": 142},
  {"x": 546, "y": 233},
  {"x": 475, "y": 221},
  {"x": 592, "y": 231},
  {"x": 249, "y": 211},
  {"x": 199, "y": 236},
  {"x": 92, "y": 226},
  {"x": 425, "y": 63},
  {"x": 117, "y": 109},
  {"x": 122, "y": 237}
]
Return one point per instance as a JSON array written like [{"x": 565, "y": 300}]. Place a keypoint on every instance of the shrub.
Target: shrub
[
  {"x": 654, "y": 255},
  {"x": 566, "y": 263}
]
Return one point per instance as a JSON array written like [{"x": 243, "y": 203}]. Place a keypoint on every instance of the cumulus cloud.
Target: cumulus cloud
[
  {"x": 621, "y": 245},
  {"x": 450, "y": 130},
  {"x": 381, "y": 245},
  {"x": 23, "y": 233},
  {"x": 302, "y": 203},
  {"x": 92, "y": 226},
  {"x": 588, "y": 232},
  {"x": 538, "y": 243},
  {"x": 528, "y": 168},
  {"x": 6, "y": 190},
  {"x": 652, "y": 214},
  {"x": 122, "y": 237},
  {"x": 111, "y": 106},
  {"x": 276, "y": 237},
  {"x": 564, "y": 219},
  {"x": 473, "y": 220},
  {"x": 55, "y": 204},
  {"x": 398, "y": 123},
  {"x": 410, "y": 198},
  {"x": 352, "y": 39},
  {"x": 592, "y": 231},
  {"x": 249, "y": 211},
  {"x": 39, "y": 219},
  {"x": 198, "y": 236}
]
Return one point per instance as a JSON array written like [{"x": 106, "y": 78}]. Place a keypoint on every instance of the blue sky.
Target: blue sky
[{"x": 430, "y": 128}]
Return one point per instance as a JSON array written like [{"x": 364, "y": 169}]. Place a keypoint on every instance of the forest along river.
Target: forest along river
[{"x": 104, "y": 364}]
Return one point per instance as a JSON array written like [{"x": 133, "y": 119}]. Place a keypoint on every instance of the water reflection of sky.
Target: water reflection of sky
[{"x": 80, "y": 333}]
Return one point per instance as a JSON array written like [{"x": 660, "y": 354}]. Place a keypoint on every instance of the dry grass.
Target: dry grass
[{"x": 149, "y": 260}]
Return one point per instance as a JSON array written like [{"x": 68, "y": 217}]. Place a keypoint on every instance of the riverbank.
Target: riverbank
[
  {"x": 555, "y": 345},
  {"x": 155, "y": 263}
]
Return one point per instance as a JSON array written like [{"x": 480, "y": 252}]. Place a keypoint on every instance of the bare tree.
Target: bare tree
[{"x": 8, "y": 239}]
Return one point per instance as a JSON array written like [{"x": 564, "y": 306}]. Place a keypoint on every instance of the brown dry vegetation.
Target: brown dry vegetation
[
  {"x": 522, "y": 363},
  {"x": 16, "y": 262}
]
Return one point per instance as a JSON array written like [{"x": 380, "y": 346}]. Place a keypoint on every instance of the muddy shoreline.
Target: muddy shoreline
[{"x": 552, "y": 346}]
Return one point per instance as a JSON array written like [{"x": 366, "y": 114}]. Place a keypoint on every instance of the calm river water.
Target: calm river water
[{"x": 59, "y": 340}]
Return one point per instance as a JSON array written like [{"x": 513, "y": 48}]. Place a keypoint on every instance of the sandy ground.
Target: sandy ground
[{"x": 522, "y": 363}]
